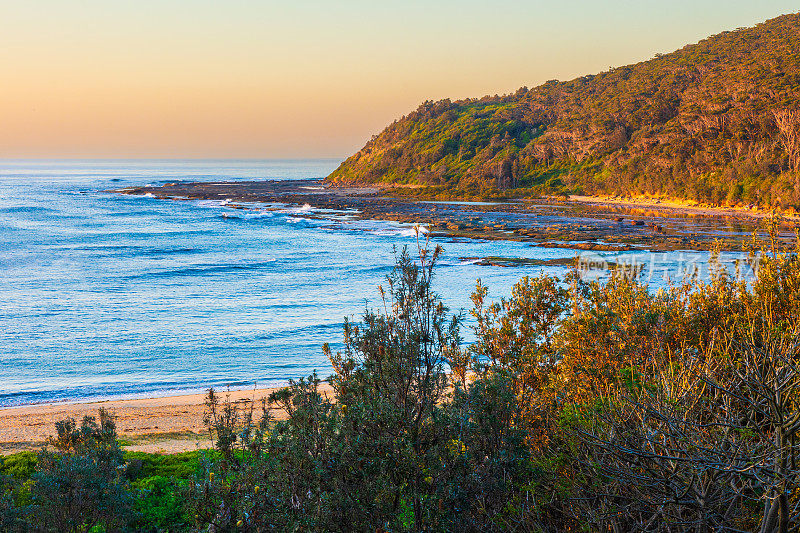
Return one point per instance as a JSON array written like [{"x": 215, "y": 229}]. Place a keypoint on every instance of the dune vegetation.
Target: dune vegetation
[{"x": 581, "y": 406}]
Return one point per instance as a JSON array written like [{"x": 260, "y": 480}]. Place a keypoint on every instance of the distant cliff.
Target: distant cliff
[{"x": 717, "y": 122}]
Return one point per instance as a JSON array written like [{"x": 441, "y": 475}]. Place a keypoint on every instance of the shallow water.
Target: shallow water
[{"x": 107, "y": 295}]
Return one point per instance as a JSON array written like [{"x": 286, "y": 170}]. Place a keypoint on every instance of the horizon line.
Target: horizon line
[{"x": 9, "y": 159}]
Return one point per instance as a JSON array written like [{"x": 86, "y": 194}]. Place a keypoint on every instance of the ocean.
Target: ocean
[
  {"x": 114, "y": 296},
  {"x": 107, "y": 295}
]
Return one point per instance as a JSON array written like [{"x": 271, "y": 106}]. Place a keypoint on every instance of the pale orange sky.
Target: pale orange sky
[{"x": 180, "y": 78}]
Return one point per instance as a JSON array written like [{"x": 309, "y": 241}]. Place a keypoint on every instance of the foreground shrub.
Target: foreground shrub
[
  {"x": 160, "y": 505},
  {"x": 19, "y": 466},
  {"x": 389, "y": 384},
  {"x": 178, "y": 466},
  {"x": 580, "y": 407},
  {"x": 80, "y": 485},
  {"x": 9, "y": 519}
]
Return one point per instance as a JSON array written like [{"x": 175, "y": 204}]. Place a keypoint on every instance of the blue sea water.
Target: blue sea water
[{"x": 105, "y": 295}]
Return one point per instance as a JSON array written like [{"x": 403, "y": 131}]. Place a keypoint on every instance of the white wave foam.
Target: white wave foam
[
  {"x": 304, "y": 209},
  {"x": 210, "y": 203},
  {"x": 383, "y": 228},
  {"x": 412, "y": 232},
  {"x": 259, "y": 214}
]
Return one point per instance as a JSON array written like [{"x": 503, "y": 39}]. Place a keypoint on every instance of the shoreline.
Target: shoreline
[
  {"x": 153, "y": 394},
  {"x": 665, "y": 204},
  {"x": 165, "y": 424},
  {"x": 172, "y": 422},
  {"x": 576, "y": 222}
]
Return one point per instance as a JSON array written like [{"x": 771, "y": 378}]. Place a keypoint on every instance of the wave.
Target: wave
[
  {"x": 156, "y": 389},
  {"x": 382, "y": 228},
  {"x": 212, "y": 203},
  {"x": 28, "y": 209},
  {"x": 304, "y": 209},
  {"x": 201, "y": 270},
  {"x": 402, "y": 232},
  {"x": 133, "y": 250},
  {"x": 169, "y": 251},
  {"x": 301, "y": 332},
  {"x": 331, "y": 219},
  {"x": 238, "y": 214},
  {"x": 117, "y": 391},
  {"x": 298, "y": 220}
]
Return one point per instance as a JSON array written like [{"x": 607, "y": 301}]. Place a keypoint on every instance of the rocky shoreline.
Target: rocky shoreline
[{"x": 548, "y": 222}]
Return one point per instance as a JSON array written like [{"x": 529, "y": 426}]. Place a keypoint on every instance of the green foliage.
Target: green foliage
[
  {"x": 391, "y": 379},
  {"x": 9, "y": 520},
  {"x": 79, "y": 485},
  {"x": 302, "y": 472},
  {"x": 160, "y": 504},
  {"x": 19, "y": 466},
  {"x": 515, "y": 336},
  {"x": 228, "y": 495},
  {"x": 581, "y": 406},
  {"x": 180, "y": 466},
  {"x": 715, "y": 122},
  {"x": 485, "y": 461}
]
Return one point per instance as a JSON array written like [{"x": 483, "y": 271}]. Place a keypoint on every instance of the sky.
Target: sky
[{"x": 301, "y": 78}]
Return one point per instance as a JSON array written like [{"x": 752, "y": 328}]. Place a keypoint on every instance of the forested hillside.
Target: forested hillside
[{"x": 717, "y": 122}]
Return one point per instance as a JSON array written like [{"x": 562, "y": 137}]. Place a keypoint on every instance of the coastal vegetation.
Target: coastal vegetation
[
  {"x": 716, "y": 122},
  {"x": 580, "y": 406}
]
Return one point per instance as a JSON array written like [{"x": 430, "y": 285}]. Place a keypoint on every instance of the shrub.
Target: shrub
[
  {"x": 178, "y": 466},
  {"x": 581, "y": 406},
  {"x": 20, "y": 466},
  {"x": 160, "y": 505},
  {"x": 80, "y": 485},
  {"x": 389, "y": 383}
]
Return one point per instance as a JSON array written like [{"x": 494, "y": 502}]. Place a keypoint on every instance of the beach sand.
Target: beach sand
[
  {"x": 170, "y": 424},
  {"x": 669, "y": 206}
]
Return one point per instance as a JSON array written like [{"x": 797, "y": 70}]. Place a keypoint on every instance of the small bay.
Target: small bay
[{"x": 107, "y": 295}]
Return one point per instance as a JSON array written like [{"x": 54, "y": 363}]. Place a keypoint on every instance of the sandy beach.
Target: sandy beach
[
  {"x": 678, "y": 206},
  {"x": 169, "y": 424}
]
